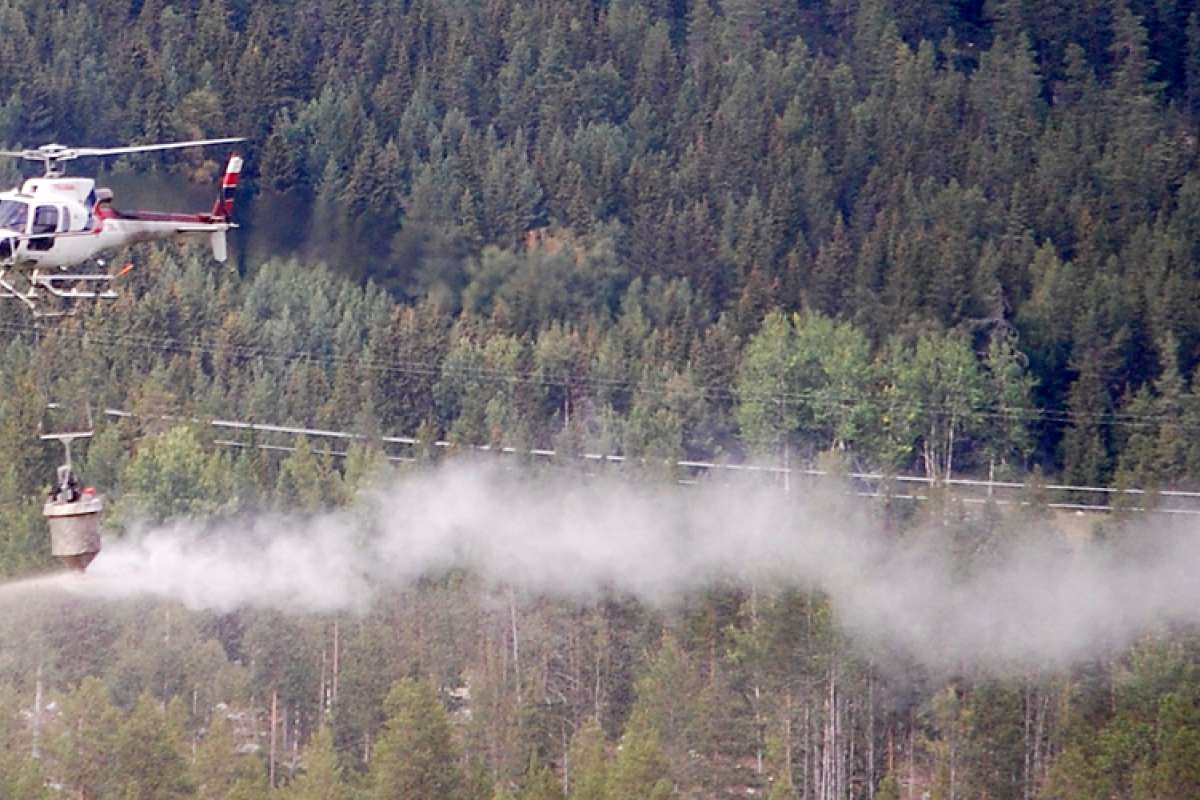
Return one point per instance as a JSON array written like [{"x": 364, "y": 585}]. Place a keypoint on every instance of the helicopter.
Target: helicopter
[{"x": 55, "y": 222}]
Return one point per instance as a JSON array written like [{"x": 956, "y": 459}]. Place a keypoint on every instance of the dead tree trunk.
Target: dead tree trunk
[{"x": 274, "y": 730}]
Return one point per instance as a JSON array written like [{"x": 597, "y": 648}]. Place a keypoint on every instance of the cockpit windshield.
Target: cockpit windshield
[{"x": 13, "y": 215}]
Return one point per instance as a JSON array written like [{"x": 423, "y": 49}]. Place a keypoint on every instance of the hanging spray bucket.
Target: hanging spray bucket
[
  {"x": 72, "y": 512},
  {"x": 75, "y": 529}
]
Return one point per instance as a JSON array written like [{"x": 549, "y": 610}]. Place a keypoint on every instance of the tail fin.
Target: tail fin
[{"x": 224, "y": 206}]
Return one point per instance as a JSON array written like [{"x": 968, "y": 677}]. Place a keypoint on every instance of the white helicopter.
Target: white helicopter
[{"x": 57, "y": 222}]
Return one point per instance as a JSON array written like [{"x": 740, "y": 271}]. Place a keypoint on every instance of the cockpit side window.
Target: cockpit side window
[
  {"x": 45, "y": 220},
  {"x": 13, "y": 215}
]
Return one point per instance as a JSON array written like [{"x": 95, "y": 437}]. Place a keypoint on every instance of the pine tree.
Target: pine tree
[
  {"x": 657, "y": 72},
  {"x": 322, "y": 777},
  {"x": 1170, "y": 459},
  {"x": 415, "y": 758},
  {"x": 1085, "y": 449},
  {"x": 889, "y": 788},
  {"x": 147, "y": 761},
  {"x": 21, "y": 775},
  {"x": 589, "y": 770},
  {"x": 84, "y": 753},
  {"x": 674, "y": 715},
  {"x": 1192, "y": 66},
  {"x": 782, "y": 789},
  {"x": 640, "y": 771},
  {"x": 541, "y": 783},
  {"x": 218, "y": 767},
  {"x": 305, "y": 483}
]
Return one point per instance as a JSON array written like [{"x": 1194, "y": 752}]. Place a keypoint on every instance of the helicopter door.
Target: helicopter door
[{"x": 45, "y": 221}]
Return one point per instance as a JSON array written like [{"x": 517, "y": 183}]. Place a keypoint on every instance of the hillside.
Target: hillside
[{"x": 946, "y": 239}]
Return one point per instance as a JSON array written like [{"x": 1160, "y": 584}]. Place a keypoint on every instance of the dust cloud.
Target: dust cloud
[{"x": 1030, "y": 600}]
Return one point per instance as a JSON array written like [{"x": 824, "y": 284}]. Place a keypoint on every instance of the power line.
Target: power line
[
  {"x": 822, "y": 398},
  {"x": 870, "y": 484}
]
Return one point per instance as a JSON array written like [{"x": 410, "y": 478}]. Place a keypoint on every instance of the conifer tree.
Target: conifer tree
[
  {"x": 416, "y": 758},
  {"x": 305, "y": 483},
  {"x": 322, "y": 776},
  {"x": 146, "y": 756},
  {"x": 1170, "y": 403},
  {"x": 541, "y": 783},
  {"x": 1085, "y": 449},
  {"x": 218, "y": 768},
  {"x": 640, "y": 769},
  {"x": 589, "y": 771},
  {"x": 84, "y": 754}
]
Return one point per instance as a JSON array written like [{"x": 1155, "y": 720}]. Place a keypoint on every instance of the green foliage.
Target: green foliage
[
  {"x": 942, "y": 237},
  {"x": 173, "y": 475},
  {"x": 322, "y": 777},
  {"x": 146, "y": 755},
  {"x": 782, "y": 789},
  {"x": 1143, "y": 742},
  {"x": 889, "y": 788},
  {"x": 415, "y": 758},
  {"x": 942, "y": 384},
  {"x": 589, "y": 772},
  {"x": 106, "y": 459},
  {"x": 21, "y": 775},
  {"x": 541, "y": 783},
  {"x": 87, "y": 763},
  {"x": 365, "y": 681},
  {"x": 766, "y": 410},
  {"x": 218, "y": 769},
  {"x": 640, "y": 769},
  {"x": 306, "y": 483},
  {"x": 604, "y": 235},
  {"x": 673, "y": 704},
  {"x": 270, "y": 639}
]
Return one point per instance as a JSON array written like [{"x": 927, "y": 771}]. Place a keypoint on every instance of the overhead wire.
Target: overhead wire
[
  {"x": 957, "y": 406},
  {"x": 540, "y": 377}
]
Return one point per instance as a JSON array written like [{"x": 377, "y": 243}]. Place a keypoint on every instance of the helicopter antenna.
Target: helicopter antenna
[{"x": 53, "y": 155}]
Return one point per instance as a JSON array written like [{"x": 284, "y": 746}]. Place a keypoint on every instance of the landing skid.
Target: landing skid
[
  {"x": 53, "y": 283},
  {"x": 8, "y": 290},
  {"x": 67, "y": 288}
]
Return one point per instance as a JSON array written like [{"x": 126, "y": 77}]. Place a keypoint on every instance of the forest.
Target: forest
[{"x": 954, "y": 238}]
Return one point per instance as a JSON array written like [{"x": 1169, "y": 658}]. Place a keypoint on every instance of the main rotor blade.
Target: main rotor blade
[{"x": 143, "y": 148}]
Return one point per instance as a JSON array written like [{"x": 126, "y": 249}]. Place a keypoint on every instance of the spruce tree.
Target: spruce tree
[
  {"x": 322, "y": 776},
  {"x": 640, "y": 770},
  {"x": 589, "y": 771},
  {"x": 416, "y": 758},
  {"x": 148, "y": 762}
]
